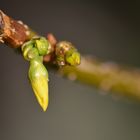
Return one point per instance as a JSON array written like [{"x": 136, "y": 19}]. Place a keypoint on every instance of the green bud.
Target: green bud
[
  {"x": 66, "y": 53},
  {"x": 38, "y": 76},
  {"x": 32, "y": 53},
  {"x": 42, "y": 45},
  {"x": 26, "y": 44},
  {"x": 26, "y": 50},
  {"x": 72, "y": 58}
]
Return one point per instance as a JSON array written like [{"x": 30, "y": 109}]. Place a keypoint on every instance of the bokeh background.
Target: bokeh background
[{"x": 108, "y": 30}]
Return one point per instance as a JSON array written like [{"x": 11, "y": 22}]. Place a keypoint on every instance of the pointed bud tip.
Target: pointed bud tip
[
  {"x": 44, "y": 105},
  {"x": 44, "y": 108}
]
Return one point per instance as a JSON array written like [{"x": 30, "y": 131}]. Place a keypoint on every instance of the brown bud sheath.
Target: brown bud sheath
[{"x": 12, "y": 32}]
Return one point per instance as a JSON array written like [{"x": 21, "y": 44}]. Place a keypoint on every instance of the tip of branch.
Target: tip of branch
[{"x": 13, "y": 32}]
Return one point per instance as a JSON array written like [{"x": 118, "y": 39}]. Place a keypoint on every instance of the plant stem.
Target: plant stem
[
  {"x": 106, "y": 76},
  {"x": 103, "y": 75}
]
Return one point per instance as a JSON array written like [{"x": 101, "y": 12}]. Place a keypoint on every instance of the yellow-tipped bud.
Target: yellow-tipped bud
[{"x": 38, "y": 76}]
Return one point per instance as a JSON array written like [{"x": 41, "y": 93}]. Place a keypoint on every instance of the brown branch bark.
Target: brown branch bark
[{"x": 12, "y": 32}]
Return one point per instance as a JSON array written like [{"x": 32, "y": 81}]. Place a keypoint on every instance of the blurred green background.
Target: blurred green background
[{"x": 108, "y": 30}]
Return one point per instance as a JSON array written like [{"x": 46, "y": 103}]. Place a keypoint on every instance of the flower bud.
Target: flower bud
[
  {"x": 38, "y": 76},
  {"x": 42, "y": 45},
  {"x": 32, "y": 53},
  {"x": 72, "y": 58},
  {"x": 26, "y": 47},
  {"x": 66, "y": 53}
]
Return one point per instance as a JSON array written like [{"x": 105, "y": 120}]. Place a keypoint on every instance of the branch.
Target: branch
[
  {"x": 13, "y": 33},
  {"x": 105, "y": 76}
]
